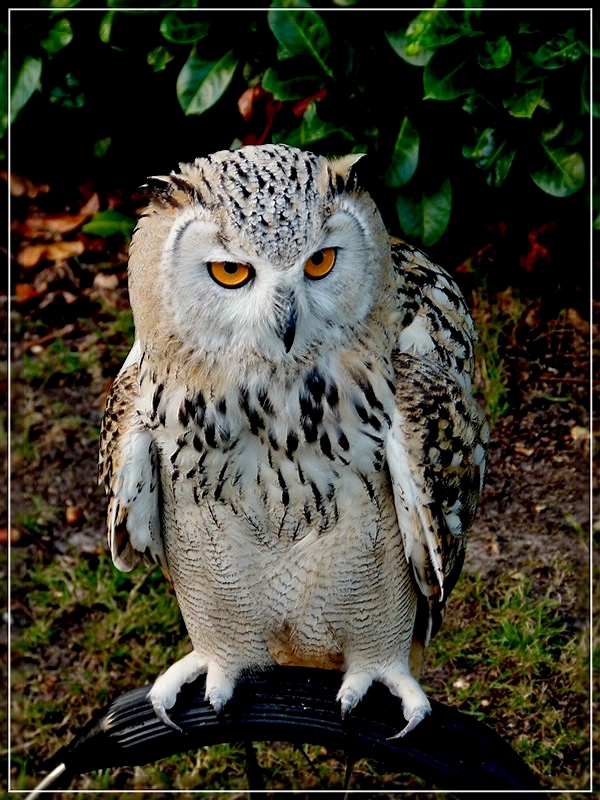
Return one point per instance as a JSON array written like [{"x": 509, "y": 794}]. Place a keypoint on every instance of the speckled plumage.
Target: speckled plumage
[{"x": 302, "y": 455}]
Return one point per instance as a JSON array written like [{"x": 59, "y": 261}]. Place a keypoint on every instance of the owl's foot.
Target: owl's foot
[
  {"x": 415, "y": 705},
  {"x": 165, "y": 689}
]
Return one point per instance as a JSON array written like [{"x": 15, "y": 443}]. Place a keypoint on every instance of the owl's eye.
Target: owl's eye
[
  {"x": 320, "y": 263},
  {"x": 230, "y": 274}
]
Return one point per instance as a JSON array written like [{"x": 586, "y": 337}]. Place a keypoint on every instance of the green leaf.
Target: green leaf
[
  {"x": 302, "y": 32},
  {"x": 158, "y": 58},
  {"x": 426, "y": 218},
  {"x": 446, "y": 76},
  {"x": 562, "y": 173},
  {"x": 501, "y": 166},
  {"x": 433, "y": 28},
  {"x": 406, "y": 155},
  {"x": 483, "y": 151},
  {"x": 183, "y": 27},
  {"x": 292, "y": 89},
  {"x": 101, "y": 146},
  {"x": 525, "y": 102},
  {"x": 496, "y": 54},
  {"x": 27, "y": 81},
  {"x": 105, "y": 223},
  {"x": 398, "y": 43},
  {"x": 67, "y": 98},
  {"x": 201, "y": 84},
  {"x": 476, "y": 104},
  {"x": 311, "y": 129},
  {"x": 559, "y": 51},
  {"x": 59, "y": 36},
  {"x": 105, "y": 28},
  {"x": 490, "y": 156}
]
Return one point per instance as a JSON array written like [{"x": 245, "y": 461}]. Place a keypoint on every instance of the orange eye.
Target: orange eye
[
  {"x": 229, "y": 274},
  {"x": 320, "y": 263}
]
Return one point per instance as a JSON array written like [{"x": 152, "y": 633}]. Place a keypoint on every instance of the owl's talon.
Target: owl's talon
[
  {"x": 219, "y": 689},
  {"x": 166, "y": 687},
  {"x": 415, "y": 705},
  {"x": 348, "y": 701},
  {"x": 414, "y": 720},
  {"x": 353, "y": 689},
  {"x": 161, "y": 713}
]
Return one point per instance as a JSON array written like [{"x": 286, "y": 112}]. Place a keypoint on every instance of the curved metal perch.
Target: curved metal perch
[{"x": 452, "y": 750}]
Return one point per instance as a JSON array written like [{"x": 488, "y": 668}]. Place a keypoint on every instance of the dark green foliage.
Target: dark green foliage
[{"x": 449, "y": 104}]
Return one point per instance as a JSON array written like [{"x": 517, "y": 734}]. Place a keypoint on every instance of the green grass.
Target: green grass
[
  {"x": 57, "y": 362},
  {"x": 86, "y": 632},
  {"x": 493, "y": 320},
  {"x": 514, "y": 656}
]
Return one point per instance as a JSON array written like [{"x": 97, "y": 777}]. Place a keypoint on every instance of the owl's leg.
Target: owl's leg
[
  {"x": 415, "y": 705},
  {"x": 165, "y": 689},
  {"x": 353, "y": 688},
  {"x": 163, "y": 694}
]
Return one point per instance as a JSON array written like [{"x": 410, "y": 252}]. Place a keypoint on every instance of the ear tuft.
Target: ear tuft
[
  {"x": 158, "y": 187},
  {"x": 172, "y": 190},
  {"x": 349, "y": 172}
]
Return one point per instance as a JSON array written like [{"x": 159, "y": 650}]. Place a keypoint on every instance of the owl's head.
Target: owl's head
[{"x": 268, "y": 251}]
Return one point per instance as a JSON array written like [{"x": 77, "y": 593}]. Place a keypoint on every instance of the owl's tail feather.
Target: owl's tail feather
[{"x": 449, "y": 749}]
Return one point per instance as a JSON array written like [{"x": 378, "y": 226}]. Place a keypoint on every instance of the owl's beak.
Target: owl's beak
[{"x": 287, "y": 329}]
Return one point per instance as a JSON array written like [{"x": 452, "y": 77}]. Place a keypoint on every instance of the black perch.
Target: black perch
[{"x": 451, "y": 750}]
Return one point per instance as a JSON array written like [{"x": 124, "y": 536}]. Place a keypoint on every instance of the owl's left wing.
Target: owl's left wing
[
  {"x": 129, "y": 470},
  {"x": 436, "y": 448}
]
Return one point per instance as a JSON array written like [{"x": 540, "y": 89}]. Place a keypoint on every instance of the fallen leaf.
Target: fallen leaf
[
  {"x": 102, "y": 281},
  {"x": 92, "y": 206},
  {"x": 25, "y": 292},
  {"x": 31, "y": 254},
  {"x": 579, "y": 433},
  {"x": 23, "y": 186},
  {"x": 525, "y": 451},
  {"x": 461, "y": 683},
  {"x": 577, "y": 321},
  {"x": 73, "y": 515},
  {"x": 64, "y": 223},
  {"x": 11, "y": 535},
  {"x": 61, "y": 251}
]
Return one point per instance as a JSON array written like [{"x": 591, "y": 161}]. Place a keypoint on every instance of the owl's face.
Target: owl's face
[{"x": 265, "y": 250}]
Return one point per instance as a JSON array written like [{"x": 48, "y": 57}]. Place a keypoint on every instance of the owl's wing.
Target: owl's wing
[
  {"x": 436, "y": 449},
  {"x": 129, "y": 470}
]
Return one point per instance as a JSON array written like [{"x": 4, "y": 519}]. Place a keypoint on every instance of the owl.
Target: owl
[{"x": 293, "y": 437}]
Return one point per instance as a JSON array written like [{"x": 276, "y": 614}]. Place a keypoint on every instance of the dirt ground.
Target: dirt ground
[{"x": 537, "y": 499}]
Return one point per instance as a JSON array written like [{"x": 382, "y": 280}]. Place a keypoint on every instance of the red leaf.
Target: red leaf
[{"x": 300, "y": 107}]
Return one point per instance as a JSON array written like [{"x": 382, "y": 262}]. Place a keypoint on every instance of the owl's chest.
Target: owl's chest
[{"x": 276, "y": 461}]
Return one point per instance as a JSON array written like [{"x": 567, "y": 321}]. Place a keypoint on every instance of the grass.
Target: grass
[
  {"x": 57, "y": 362},
  {"x": 517, "y": 658},
  {"x": 507, "y": 653},
  {"x": 493, "y": 319}
]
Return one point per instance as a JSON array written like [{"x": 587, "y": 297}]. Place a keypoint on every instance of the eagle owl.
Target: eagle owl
[{"x": 292, "y": 437}]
